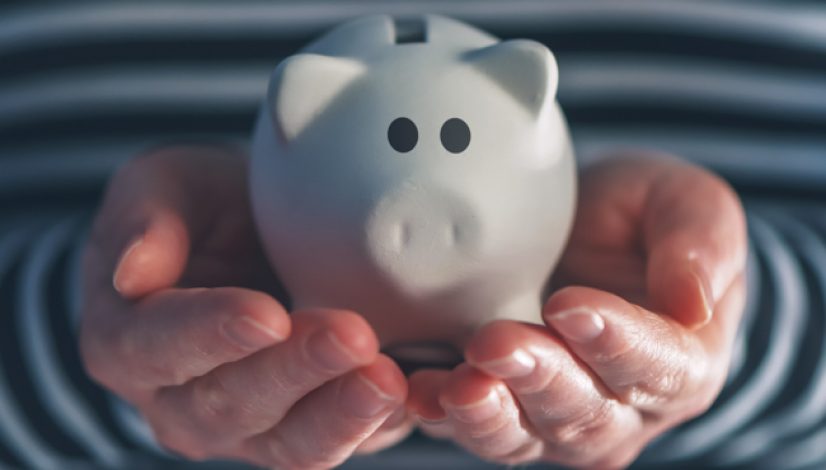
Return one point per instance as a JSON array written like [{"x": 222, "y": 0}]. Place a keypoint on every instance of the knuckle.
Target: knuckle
[
  {"x": 646, "y": 375},
  {"x": 577, "y": 433},
  {"x": 213, "y": 406},
  {"x": 137, "y": 352},
  {"x": 292, "y": 377},
  {"x": 666, "y": 386},
  {"x": 481, "y": 433},
  {"x": 673, "y": 380},
  {"x": 127, "y": 349},
  {"x": 619, "y": 350}
]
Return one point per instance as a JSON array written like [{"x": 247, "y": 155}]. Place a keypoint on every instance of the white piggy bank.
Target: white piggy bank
[{"x": 418, "y": 172}]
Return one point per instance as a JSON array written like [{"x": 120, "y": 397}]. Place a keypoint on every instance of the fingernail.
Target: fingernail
[
  {"x": 249, "y": 333},
  {"x": 396, "y": 419},
  {"x": 431, "y": 421},
  {"x": 704, "y": 287},
  {"x": 363, "y": 398},
  {"x": 519, "y": 363},
  {"x": 121, "y": 279},
  {"x": 327, "y": 350},
  {"x": 436, "y": 427},
  {"x": 478, "y": 411},
  {"x": 578, "y": 324}
]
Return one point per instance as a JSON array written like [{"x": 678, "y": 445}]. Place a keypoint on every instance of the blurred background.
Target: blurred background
[{"x": 737, "y": 86}]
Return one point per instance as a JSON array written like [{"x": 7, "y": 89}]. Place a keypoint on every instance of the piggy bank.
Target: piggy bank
[{"x": 418, "y": 172}]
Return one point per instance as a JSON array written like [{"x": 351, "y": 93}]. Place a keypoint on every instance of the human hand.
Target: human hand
[
  {"x": 222, "y": 371},
  {"x": 638, "y": 342}
]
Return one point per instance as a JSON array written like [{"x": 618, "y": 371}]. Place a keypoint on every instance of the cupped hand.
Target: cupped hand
[
  {"x": 177, "y": 320},
  {"x": 636, "y": 340}
]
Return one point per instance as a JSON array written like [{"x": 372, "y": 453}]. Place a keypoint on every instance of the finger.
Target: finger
[
  {"x": 327, "y": 426},
  {"x": 395, "y": 428},
  {"x": 566, "y": 406},
  {"x": 662, "y": 232},
  {"x": 486, "y": 419},
  {"x": 695, "y": 237},
  {"x": 647, "y": 360},
  {"x": 423, "y": 402},
  {"x": 719, "y": 335},
  {"x": 175, "y": 335},
  {"x": 248, "y": 397},
  {"x": 154, "y": 258},
  {"x": 156, "y": 208},
  {"x": 605, "y": 248}
]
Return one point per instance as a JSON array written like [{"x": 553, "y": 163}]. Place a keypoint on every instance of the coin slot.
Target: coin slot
[{"x": 410, "y": 30}]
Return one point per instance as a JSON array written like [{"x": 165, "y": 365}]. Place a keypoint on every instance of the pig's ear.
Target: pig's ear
[
  {"x": 303, "y": 85},
  {"x": 525, "y": 69}
]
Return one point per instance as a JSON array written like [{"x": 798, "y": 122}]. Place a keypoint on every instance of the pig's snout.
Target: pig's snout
[{"x": 423, "y": 237}]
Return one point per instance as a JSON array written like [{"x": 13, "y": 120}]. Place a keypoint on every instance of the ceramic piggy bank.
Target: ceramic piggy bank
[{"x": 418, "y": 172}]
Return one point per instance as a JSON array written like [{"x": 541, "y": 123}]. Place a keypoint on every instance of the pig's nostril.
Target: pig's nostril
[
  {"x": 418, "y": 234},
  {"x": 405, "y": 233},
  {"x": 454, "y": 233},
  {"x": 400, "y": 235}
]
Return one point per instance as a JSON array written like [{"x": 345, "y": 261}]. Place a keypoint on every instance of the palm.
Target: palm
[
  {"x": 175, "y": 321},
  {"x": 606, "y": 248},
  {"x": 638, "y": 343}
]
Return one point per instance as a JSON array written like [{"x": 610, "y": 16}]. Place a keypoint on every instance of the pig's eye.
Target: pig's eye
[
  {"x": 402, "y": 134},
  {"x": 455, "y": 135}
]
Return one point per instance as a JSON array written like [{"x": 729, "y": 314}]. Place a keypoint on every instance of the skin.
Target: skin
[
  {"x": 636, "y": 339},
  {"x": 223, "y": 371}
]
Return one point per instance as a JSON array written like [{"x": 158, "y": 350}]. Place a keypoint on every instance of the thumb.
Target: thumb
[
  {"x": 695, "y": 236},
  {"x": 154, "y": 257},
  {"x": 141, "y": 238}
]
